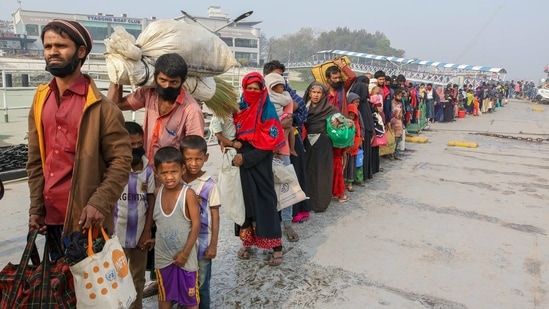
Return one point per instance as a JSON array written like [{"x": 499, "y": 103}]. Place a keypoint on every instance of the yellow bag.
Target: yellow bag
[
  {"x": 390, "y": 147},
  {"x": 319, "y": 70}
]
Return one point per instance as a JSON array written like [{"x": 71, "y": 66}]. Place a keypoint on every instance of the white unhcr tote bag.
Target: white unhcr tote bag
[{"x": 103, "y": 279}]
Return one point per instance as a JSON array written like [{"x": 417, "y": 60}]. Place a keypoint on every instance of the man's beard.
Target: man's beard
[
  {"x": 62, "y": 70},
  {"x": 336, "y": 85}
]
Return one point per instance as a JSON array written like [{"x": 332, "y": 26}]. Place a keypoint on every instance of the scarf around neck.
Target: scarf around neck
[
  {"x": 319, "y": 112},
  {"x": 257, "y": 121}
]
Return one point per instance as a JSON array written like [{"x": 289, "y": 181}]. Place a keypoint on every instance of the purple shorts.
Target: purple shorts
[{"x": 177, "y": 284}]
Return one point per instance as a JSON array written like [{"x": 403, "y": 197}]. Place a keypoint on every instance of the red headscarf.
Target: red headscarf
[{"x": 257, "y": 121}]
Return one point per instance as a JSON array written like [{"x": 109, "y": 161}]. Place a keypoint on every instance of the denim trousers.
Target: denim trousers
[
  {"x": 286, "y": 213},
  {"x": 430, "y": 109},
  {"x": 204, "y": 276}
]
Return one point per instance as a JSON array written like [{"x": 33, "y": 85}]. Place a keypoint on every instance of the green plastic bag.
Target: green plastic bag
[{"x": 341, "y": 130}]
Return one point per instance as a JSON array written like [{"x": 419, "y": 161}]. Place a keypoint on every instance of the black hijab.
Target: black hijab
[
  {"x": 319, "y": 112},
  {"x": 361, "y": 87}
]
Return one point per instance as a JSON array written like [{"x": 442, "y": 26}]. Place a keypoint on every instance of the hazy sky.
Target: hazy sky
[{"x": 511, "y": 34}]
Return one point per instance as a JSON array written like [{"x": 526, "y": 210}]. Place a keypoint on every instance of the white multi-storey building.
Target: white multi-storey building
[{"x": 242, "y": 37}]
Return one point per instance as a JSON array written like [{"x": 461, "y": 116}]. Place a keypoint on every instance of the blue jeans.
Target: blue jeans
[
  {"x": 287, "y": 213},
  {"x": 430, "y": 109},
  {"x": 204, "y": 276}
]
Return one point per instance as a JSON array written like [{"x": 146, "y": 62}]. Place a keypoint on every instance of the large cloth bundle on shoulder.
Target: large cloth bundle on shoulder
[{"x": 131, "y": 62}]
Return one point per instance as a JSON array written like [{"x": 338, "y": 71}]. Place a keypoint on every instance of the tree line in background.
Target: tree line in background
[
  {"x": 6, "y": 26},
  {"x": 303, "y": 45}
]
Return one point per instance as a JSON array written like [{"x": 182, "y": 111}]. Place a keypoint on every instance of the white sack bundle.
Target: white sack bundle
[
  {"x": 127, "y": 66},
  {"x": 205, "y": 53}
]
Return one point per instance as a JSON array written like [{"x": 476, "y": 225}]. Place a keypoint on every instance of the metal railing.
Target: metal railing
[
  {"x": 411, "y": 75},
  {"x": 19, "y": 85}
]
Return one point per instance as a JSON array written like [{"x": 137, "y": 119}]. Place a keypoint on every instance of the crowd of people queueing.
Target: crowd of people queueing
[{"x": 88, "y": 167}]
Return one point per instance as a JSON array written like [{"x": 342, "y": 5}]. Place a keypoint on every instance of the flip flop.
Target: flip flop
[
  {"x": 344, "y": 199},
  {"x": 291, "y": 235},
  {"x": 243, "y": 253},
  {"x": 275, "y": 260},
  {"x": 298, "y": 217},
  {"x": 150, "y": 290},
  {"x": 301, "y": 217}
]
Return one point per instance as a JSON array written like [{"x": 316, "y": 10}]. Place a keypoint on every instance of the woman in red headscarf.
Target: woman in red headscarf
[{"x": 258, "y": 129}]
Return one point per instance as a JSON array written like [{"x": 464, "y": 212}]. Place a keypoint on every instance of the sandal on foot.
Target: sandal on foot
[
  {"x": 297, "y": 218},
  {"x": 301, "y": 217},
  {"x": 243, "y": 253},
  {"x": 275, "y": 260},
  {"x": 291, "y": 235},
  {"x": 344, "y": 198},
  {"x": 304, "y": 219},
  {"x": 350, "y": 188},
  {"x": 151, "y": 289}
]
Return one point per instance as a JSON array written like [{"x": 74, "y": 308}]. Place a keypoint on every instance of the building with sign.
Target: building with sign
[
  {"x": 100, "y": 26},
  {"x": 242, "y": 37}
]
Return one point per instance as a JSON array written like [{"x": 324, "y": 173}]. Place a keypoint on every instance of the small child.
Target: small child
[
  {"x": 351, "y": 168},
  {"x": 397, "y": 126},
  {"x": 177, "y": 218},
  {"x": 476, "y": 106},
  {"x": 133, "y": 212},
  {"x": 283, "y": 103},
  {"x": 195, "y": 153},
  {"x": 376, "y": 101},
  {"x": 470, "y": 99}
]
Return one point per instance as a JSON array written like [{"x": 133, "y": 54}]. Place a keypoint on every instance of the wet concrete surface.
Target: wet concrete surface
[{"x": 446, "y": 227}]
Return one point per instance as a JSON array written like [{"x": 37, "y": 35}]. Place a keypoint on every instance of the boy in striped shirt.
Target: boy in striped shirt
[
  {"x": 133, "y": 212},
  {"x": 195, "y": 153}
]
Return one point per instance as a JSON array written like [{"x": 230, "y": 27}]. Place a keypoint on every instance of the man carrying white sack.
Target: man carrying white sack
[{"x": 171, "y": 113}]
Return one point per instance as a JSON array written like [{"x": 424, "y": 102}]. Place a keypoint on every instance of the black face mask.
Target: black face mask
[
  {"x": 64, "y": 70},
  {"x": 137, "y": 155},
  {"x": 168, "y": 93},
  {"x": 336, "y": 85}
]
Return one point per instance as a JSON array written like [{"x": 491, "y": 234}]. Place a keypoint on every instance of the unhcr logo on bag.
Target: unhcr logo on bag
[{"x": 120, "y": 263}]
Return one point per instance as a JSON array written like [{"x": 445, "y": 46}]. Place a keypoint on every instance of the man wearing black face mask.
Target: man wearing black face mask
[
  {"x": 171, "y": 113},
  {"x": 77, "y": 141}
]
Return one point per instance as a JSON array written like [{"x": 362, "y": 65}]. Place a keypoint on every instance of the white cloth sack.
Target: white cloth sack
[
  {"x": 230, "y": 188},
  {"x": 126, "y": 65},
  {"x": 103, "y": 279},
  {"x": 204, "y": 52},
  {"x": 289, "y": 193}
]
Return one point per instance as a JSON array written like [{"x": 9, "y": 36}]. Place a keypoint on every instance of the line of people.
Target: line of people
[{"x": 87, "y": 167}]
